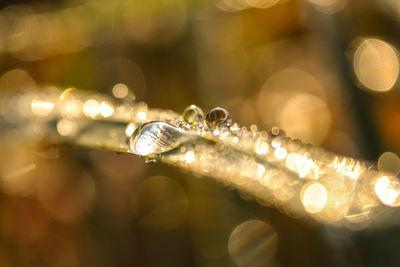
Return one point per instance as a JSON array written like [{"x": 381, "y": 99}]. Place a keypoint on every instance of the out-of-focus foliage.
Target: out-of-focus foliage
[{"x": 325, "y": 71}]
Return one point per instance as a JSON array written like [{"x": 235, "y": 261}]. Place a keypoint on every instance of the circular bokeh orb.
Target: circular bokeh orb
[{"x": 253, "y": 243}]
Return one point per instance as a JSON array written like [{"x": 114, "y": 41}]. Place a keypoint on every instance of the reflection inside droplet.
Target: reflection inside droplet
[
  {"x": 253, "y": 243},
  {"x": 155, "y": 137},
  {"x": 218, "y": 117},
  {"x": 193, "y": 113}
]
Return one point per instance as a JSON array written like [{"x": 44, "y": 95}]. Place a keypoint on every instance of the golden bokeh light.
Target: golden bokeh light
[
  {"x": 91, "y": 108},
  {"x": 41, "y": 108},
  {"x": 280, "y": 153},
  {"x": 261, "y": 3},
  {"x": 71, "y": 108},
  {"x": 130, "y": 128},
  {"x": 106, "y": 109},
  {"x": 102, "y": 178},
  {"x": 306, "y": 117},
  {"x": 376, "y": 64},
  {"x": 231, "y": 5},
  {"x": 388, "y": 191},
  {"x": 294, "y": 100},
  {"x": 303, "y": 165},
  {"x": 329, "y": 6},
  {"x": 142, "y": 115},
  {"x": 189, "y": 157},
  {"x": 260, "y": 171},
  {"x": 253, "y": 243},
  {"x": 314, "y": 197},
  {"x": 390, "y": 6},
  {"x": 239, "y": 5},
  {"x": 66, "y": 127},
  {"x": 120, "y": 90},
  {"x": 389, "y": 162},
  {"x": 262, "y": 147}
]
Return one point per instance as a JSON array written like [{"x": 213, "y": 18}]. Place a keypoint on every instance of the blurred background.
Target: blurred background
[{"x": 325, "y": 71}]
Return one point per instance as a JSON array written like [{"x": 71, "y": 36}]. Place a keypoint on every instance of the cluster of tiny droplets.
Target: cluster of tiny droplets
[
  {"x": 268, "y": 166},
  {"x": 277, "y": 170}
]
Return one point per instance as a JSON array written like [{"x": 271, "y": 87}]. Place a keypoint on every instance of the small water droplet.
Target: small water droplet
[
  {"x": 235, "y": 128},
  {"x": 155, "y": 137},
  {"x": 193, "y": 113},
  {"x": 150, "y": 160},
  {"x": 277, "y": 131},
  {"x": 218, "y": 117}
]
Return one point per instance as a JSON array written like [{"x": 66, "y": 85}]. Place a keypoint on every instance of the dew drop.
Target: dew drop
[
  {"x": 277, "y": 131},
  {"x": 193, "y": 113},
  {"x": 218, "y": 117},
  {"x": 155, "y": 137}
]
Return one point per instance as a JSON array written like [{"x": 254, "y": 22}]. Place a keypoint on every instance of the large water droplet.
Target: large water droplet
[
  {"x": 218, "y": 117},
  {"x": 155, "y": 137},
  {"x": 193, "y": 113}
]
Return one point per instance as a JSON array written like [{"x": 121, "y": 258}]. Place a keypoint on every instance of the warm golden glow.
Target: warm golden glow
[
  {"x": 260, "y": 171},
  {"x": 120, "y": 90},
  {"x": 314, "y": 197},
  {"x": 189, "y": 157},
  {"x": 280, "y": 153},
  {"x": 106, "y": 109},
  {"x": 41, "y": 108},
  {"x": 71, "y": 108},
  {"x": 91, "y": 108},
  {"x": 66, "y": 127},
  {"x": 393, "y": 6},
  {"x": 66, "y": 93},
  {"x": 253, "y": 243},
  {"x": 261, "y": 3},
  {"x": 130, "y": 128},
  {"x": 347, "y": 166},
  {"x": 142, "y": 115},
  {"x": 389, "y": 162},
  {"x": 302, "y": 165},
  {"x": 376, "y": 65},
  {"x": 262, "y": 147},
  {"x": 306, "y": 117},
  {"x": 231, "y": 5},
  {"x": 388, "y": 191},
  {"x": 329, "y": 6}
]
